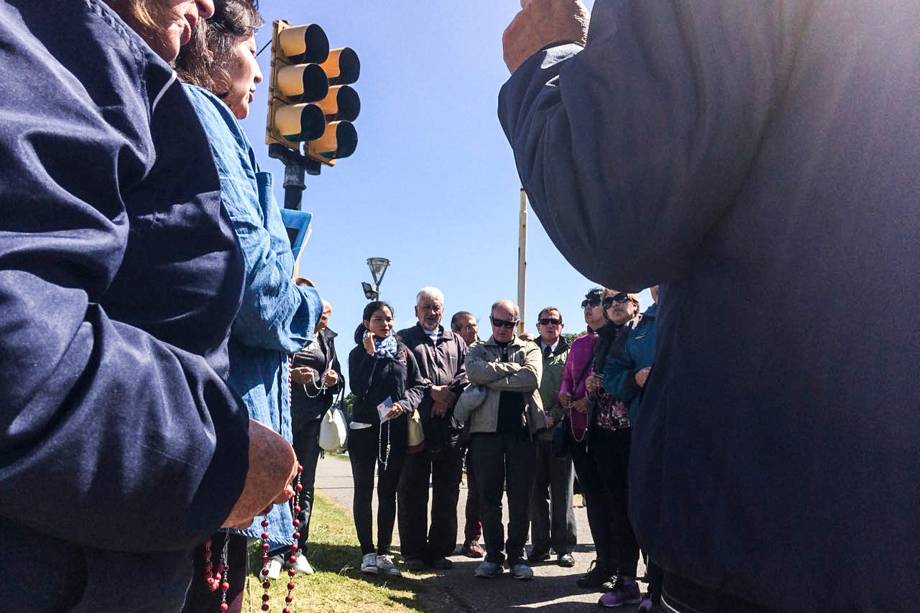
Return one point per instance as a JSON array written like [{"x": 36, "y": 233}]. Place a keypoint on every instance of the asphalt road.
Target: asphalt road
[{"x": 553, "y": 587}]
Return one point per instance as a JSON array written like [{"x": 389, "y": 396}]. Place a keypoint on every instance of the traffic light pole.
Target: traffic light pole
[{"x": 295, "y": 166}]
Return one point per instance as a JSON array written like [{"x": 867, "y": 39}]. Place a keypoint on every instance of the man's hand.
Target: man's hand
[
  {"x": 642, "y": 376},
  {"x": 565, "y": 400},
  {"x": 272, "y": 467},
  {"x": 439, "y": 409},
  {"x": 303, "y": 375},
  {"x": 441, "y": 394},
  {"x": 540, "y": 23},
  {"x": 550, "y": 422}
]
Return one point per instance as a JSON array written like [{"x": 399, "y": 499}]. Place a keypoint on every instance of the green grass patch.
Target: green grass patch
[{"x": 338, "y": 584}]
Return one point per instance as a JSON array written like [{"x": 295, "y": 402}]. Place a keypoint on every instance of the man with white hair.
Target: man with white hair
[
  {"x": 440, "y": 354},
  {"x": 502, "y": 428}
]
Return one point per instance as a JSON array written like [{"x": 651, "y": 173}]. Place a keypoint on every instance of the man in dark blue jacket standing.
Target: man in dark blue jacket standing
[{"x": 761, "y": 161}]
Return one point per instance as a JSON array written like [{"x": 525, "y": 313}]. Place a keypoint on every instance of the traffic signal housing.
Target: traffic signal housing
[{"x": 311, "y": 102}]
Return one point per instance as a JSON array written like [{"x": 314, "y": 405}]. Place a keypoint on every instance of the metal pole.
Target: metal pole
[{"x": 522, "y": 259}]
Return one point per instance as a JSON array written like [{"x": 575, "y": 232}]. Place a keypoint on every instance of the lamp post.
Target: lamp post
[{"x": 378, "y": 267}]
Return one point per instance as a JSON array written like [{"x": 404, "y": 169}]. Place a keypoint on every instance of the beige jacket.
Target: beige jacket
[{"x": 521, "y": 373}]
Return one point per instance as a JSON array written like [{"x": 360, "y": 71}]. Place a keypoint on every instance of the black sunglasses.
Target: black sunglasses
[
  {"x": 549, "y": 321},
  {"x": 594, "y": 303},
  {"x": 502, "y": 323},
  {"x": 621, "y": 297}
]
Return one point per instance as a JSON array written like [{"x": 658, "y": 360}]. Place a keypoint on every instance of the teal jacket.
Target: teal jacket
[{"x": 638, "y": 353}]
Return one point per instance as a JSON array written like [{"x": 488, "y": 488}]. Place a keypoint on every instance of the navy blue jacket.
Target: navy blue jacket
[
  {"x": 121, "y": 447},
  {"x": 762, "y": 159}
]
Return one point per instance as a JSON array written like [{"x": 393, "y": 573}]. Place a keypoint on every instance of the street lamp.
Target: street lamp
[{"x": 378, "y": 267}]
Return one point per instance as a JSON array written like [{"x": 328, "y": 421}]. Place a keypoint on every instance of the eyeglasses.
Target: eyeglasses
[
  {"x": 621, "y": 298},
  {"x": 502, "y": 323},
  {"x": 592, "y": 303},
  {"x": 549, "y": 321}
]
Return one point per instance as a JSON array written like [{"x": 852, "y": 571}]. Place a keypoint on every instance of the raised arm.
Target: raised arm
[{"x": 632, "y": 148}]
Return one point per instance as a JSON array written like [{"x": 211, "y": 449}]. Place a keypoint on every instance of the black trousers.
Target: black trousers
[
  {"x": 610, "y": 450},
  {"x": 501, "y": 459},
  {"x": 682, "y": 596},
  {"x": 417, "y": 539},
  {"x": 306, "y": 446},
  {"x": 552, "y": 519},
  {"x": 363, "y": 448},
  {"x": 597, "y": 504}
]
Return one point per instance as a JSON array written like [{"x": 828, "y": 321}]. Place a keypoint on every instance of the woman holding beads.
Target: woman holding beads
[
  {"x": 387, "y": 386},
  {"x": 277, "y": 314}
]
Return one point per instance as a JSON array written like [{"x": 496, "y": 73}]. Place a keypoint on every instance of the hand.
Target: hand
[
  {"x": 369, "y": 343},
  {"x": 580, "y": 405},
  {"x": 526, "y": 336},
  {"x": 550, "y": 422},
  {"x": 540, "y": 23},
  {"x": 593, "y": 383},
  {"x": 642, "y": 376},
  {"x": 565, "y": 400},
  {"x": 330, "y": 378},
  {"x": 303, "y": 375},
  {"x": 272, "y": 467},
  {"x": 442, "y": 394},
  {"x": 395, "y": 411}
]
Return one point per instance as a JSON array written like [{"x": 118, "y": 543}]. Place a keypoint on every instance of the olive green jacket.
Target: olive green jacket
[{"x": 549, "y": 384}]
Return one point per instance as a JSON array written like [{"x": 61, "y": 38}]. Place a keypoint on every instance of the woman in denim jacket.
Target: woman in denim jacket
[{"x": 277, "y": 315}]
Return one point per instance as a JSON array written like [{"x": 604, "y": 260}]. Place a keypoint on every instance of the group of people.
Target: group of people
[
  {"x": 525, "y": 415},
  {"x": 757, "y": 160}
]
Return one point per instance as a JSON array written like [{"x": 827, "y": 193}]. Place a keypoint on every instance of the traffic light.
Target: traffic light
[{"x": 311, "y": 104}]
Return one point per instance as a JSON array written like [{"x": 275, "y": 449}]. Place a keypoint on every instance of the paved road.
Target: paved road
[{"x": 553, "y": 588}]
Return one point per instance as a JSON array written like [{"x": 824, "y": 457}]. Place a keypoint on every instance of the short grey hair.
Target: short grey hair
[
  {"x": 432, "y": 293},
  {"x": 508, "y": 304}
]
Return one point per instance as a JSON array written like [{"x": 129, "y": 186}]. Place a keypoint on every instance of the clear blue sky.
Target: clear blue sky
[{"x": 432, "y": 185}]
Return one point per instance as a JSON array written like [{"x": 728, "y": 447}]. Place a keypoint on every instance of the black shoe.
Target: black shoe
[
  {"x": 538, "y": 555},
  {"x": 595, "y": 577},
  {"x": 565, "y": 560}
]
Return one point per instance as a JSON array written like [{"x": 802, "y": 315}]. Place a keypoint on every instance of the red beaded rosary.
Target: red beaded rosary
[{"x": 221, "y": 578}]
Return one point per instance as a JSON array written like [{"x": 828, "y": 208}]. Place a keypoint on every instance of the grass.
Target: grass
[{"x": 338, "y": 584}]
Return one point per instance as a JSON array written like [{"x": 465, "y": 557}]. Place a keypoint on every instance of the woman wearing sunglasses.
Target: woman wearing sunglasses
[{"x": 387, "y": 386}]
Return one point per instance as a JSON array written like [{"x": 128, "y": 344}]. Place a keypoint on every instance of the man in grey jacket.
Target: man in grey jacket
[
  {"x": 760, "y": 160},
  {"x": 501, "y": 428}
]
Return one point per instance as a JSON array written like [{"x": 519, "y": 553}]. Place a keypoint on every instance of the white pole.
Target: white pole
[{"x": 522, "y": 259}]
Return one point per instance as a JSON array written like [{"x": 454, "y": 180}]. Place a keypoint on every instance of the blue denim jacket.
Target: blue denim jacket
[{"x": 276, "y": 317}]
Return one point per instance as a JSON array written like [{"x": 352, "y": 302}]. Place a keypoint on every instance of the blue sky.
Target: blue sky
[{"x": 432, "y": 185}]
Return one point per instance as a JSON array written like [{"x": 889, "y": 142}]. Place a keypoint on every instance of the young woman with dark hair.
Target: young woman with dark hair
[
  {"x": 387, "y": 386},
  {"x": 277, "y": 315}
]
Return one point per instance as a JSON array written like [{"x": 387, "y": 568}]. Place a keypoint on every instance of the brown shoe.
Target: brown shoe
[{"x": 472, "y": 550}]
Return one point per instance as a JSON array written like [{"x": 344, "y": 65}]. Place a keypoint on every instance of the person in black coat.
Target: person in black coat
[
  {"x": 387, "y": 386},
  {"x": 316, "y": 378}
]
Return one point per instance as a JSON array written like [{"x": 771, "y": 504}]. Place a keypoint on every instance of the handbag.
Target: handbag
[
  {"x": 416, "y": 441},
  {"x": 561, "y": 443},
  {"x": 332, "y": 429}
]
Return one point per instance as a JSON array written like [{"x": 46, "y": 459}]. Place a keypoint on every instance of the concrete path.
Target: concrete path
[{"x": 553, "y": 588}]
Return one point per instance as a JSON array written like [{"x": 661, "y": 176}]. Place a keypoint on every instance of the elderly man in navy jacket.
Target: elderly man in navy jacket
[{"x": 760, "y": 159}]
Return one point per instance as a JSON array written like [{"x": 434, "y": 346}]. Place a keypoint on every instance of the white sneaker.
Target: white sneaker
[
  {"x": 302, "y": 566},
  {"x": 386, "y": 566},
  {"x": 275, "y": 564},
  {"x": 369, "y": 564}
]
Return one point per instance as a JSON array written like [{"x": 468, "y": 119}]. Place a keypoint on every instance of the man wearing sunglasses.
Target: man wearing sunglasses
[
  {"x": 551, "y": 516},
  {"x": 502, "y": 430}
]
